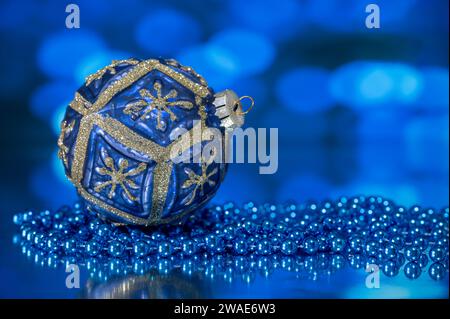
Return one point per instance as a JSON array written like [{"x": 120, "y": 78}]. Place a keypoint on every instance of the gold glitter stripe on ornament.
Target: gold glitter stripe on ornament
[
  {"x": 201, "y": 109},
  {"x": 128, "y": 138},
  {"x": 134, "y": 74},
  {"x": 161, "y": 178},
  {"x": 80, "y": 104},
  {"x": 86, "y": 125},
  {"x": 111, "y": 68},
  {"x": 196, "y": 88},
  {"x": 63, "y": 150},
  {"x": 118, "y": 85}
]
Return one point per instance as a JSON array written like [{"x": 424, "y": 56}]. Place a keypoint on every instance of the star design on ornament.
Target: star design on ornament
[
  {"x": 109, "y": 68},
  {"x": 158, "y": 102},
  {"x": 119, "y": 176},
  {"x": 66, "y": 128},
  {"x": 198, "y": 180}
]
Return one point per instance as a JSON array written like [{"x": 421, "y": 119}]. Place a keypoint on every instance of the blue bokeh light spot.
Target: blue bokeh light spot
[
  {"x": 166, "y": 31},
  {"x": 281, "y": 23},
  {"x": 368, "y": 83},
  {"x": 47, "y": 98},
  {"x": 91, "y": 63},
  {"x": 213, "y": 63},
  {"x": 304, "y": 89},
  {"x": 435, "y": 91},
  {"x": 43, "y": 179},
  {"x": 350, "y": 15},
  {"x": 241, "y": 46},
  {"x": 60, "y": 53},
  {"x": 303, "y": 188},
  {"x": 427, "y": 144},
  {"x": 9, "y": 17},
  {"x": 58, "y": 169},
  {"x": 57, "y": 117}
]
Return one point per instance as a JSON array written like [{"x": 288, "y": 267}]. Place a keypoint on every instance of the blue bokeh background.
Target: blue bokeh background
[{"x": 359, "y": 111}]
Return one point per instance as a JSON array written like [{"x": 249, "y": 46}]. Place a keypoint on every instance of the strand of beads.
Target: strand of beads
[{"x": 374, "y": 228}]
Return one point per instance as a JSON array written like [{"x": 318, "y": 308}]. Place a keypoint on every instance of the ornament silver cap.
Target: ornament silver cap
[{"x": 229, "y": 109}]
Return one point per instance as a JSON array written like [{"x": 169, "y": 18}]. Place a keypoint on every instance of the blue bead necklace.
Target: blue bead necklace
[{"x": 370, "y": 229}]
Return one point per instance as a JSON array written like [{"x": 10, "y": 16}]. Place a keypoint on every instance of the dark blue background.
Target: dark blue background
[{"x": 359, "y": 111}]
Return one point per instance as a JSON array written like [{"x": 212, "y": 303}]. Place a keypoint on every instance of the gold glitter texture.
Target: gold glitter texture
[
  {"x": 157, "y": 102},
  {"x": 198, "y": 181},
  {"x": 111, "y": 68},
  {"x": 63, "y": 150},
  {"x": 119, "y": 176}
]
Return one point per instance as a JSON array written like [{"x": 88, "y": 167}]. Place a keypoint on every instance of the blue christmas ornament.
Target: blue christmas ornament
[{"x": 144, "y": 141}]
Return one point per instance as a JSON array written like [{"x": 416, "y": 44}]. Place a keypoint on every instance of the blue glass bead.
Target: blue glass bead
[
  {"x": 379, "y": 236},
  {"x": 412, "y": 253},
  {"x": 376, "y": 226},
  {"x": 122, "y": 237},
  {"x": 93, "y": 224},
  {"x": 437, "y": 271},
  {"x": 323, "y": 244},
  {"x": 83, "y": 233},
  {"x": 140, "y": 267},
  {"x": 17, "y": 219},
  {"x": 397, "y": 241},
  {"x": 437, "y": 253},
  {"x": 275, "y": 242},
  {"x": 249, "y": 227},
  {"x": 79, "y": 219},
  {"x": 288, "y": 247},
  {"x": 229, "y": 232},
  {"x": 42, "y": 244},
  {"x": 70, "y": 246},
  {"x": 328, "y": 223},
  {"x": 52, "y": 243},
  {"x": 281, "y": 228},
  {"x": 337, "y": 262},
  {"x": 412, "y": 270},
  {"x": 268, "y": 227},
  {"x": 296, "y": 235},
  {"x": 188, "y": 247},
  {"x": 390, "y": 251},
  {"x": 310, "y": 245},
  {"x": 240, "y": 247},
  {"x": 380, "y": 256},
  {"x": 24, "y": 231},
  {"x": 264, "y": 247},
  {"x": 165, "y": 249},
  {"x": 356, "y": 261},
  {"x": 27, "y": 216},
  {"x": 423, "y": 260},
  {"x": 442, "y": 242},
  {"x": 103, "y": 231},
  {"x": 314, "y": 228},
  {"x": 372, "y": 248},
  {"x": 46, "y": 221},
  {"x": 338, "y": 244},
  {"x": 141, "y": 248},
  {"x": 116, "y": 248},
  {"x": 37, "y": 239},
  {"x": 53, "y": 260},
  {"x": 390, "y": 269},
  {"x": 356, "y": 244},
  {"x": 420, "y": 243},
  {"x": 400, "y": 260},
  {"x": 30, "y": 235},
  {"x": 92, "y": 264},
  {"x": 93, "y": 248}
]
